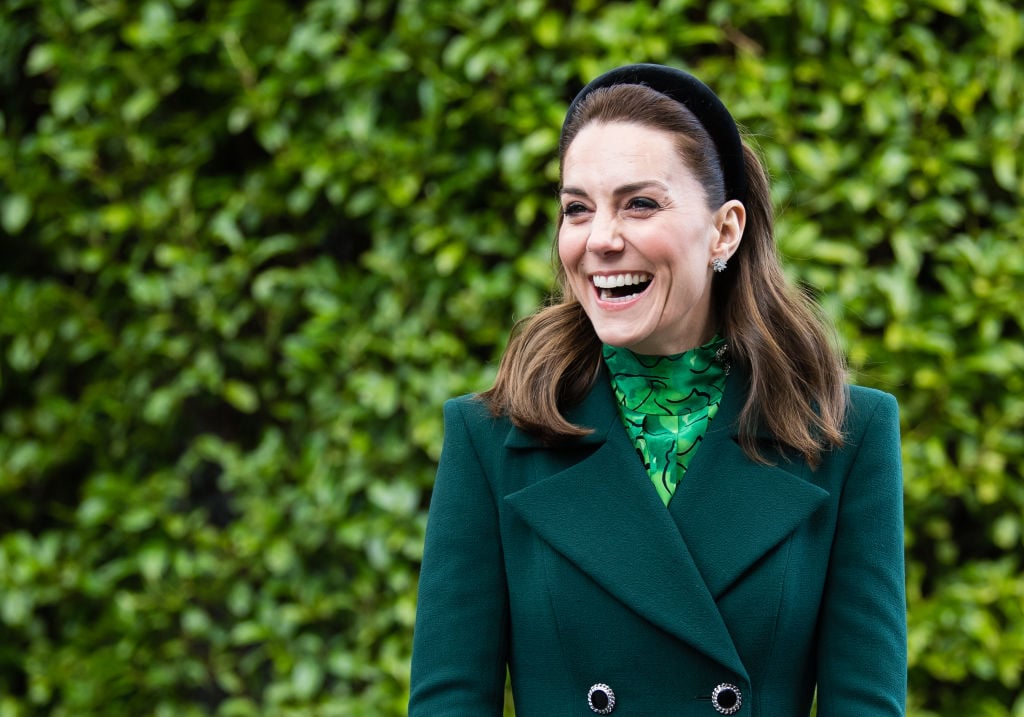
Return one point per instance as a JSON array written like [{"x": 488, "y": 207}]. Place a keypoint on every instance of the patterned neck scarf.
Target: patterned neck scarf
[{"x": 666, "y": 403}]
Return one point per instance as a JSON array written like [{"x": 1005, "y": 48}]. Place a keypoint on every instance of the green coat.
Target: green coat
[{"x": 563, "y": 564}]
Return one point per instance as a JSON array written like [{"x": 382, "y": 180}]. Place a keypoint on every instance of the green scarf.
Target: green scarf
[{"x": 666, "y": 403}]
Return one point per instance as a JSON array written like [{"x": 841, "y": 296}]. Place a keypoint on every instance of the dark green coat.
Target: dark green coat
[{"x": 564, "y": 565}]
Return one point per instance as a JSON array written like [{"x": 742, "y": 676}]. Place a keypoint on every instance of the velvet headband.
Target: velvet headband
[{"x": 696, "y": 97}]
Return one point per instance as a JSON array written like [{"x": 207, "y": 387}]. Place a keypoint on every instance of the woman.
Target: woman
[{"x": 669, "y": 503}]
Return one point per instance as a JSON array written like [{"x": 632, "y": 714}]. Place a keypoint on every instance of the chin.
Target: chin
[{"x": 619, "y": 340}]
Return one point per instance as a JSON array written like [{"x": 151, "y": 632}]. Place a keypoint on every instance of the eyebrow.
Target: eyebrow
[{"x": 619, "y": 191}]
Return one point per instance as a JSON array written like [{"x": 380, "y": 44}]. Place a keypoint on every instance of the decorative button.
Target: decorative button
[
  {"x": 601, "y": 699},
  {"x": 726, "y": 699}
]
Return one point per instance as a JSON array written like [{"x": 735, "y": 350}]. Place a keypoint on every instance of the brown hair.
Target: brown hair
[{"x": 797, "y": 376}]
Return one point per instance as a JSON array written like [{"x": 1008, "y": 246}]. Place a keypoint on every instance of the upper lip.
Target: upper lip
[{"x": 623, "y": 278}]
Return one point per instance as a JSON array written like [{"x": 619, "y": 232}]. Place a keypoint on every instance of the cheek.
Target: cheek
[{"x": 570, "y": 251}]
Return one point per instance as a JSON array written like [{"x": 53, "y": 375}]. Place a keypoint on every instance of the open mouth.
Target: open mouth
[{"x": 620, "y": 287}]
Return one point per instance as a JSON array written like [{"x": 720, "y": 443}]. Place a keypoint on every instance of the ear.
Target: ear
[{"x": 730, "y": 219}]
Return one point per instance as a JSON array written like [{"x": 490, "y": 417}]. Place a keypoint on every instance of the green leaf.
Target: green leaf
[
  {"x": 15, "y": 212},
  {"x": 241, "y": 395}
]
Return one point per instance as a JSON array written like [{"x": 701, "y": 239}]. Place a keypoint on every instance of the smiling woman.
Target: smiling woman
[
  {"x": 670, "y": 502},
  {"x": 632, "y": 207}
]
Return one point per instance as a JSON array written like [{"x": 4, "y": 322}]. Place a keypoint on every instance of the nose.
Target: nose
[{"x": 605, "y": 235}]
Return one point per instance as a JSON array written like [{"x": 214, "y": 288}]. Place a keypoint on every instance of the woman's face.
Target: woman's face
[{"x": 637, "y": 239}]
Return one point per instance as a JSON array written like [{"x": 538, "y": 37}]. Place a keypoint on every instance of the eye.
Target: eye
[
  {"x": 642, "y": 204},
  {"x": 573, "y": 209}
]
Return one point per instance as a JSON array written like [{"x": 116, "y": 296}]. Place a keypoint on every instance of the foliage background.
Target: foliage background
[{"x": 249, "y": 247}]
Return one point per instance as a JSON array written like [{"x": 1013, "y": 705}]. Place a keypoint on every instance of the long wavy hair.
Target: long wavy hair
[{"x": 798, "y": 382}]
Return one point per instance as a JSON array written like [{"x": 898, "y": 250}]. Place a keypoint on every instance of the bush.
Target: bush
[{"x": 250, "y": 247}]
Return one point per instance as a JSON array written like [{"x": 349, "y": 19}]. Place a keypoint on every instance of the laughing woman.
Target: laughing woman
[{"x": 670, "y": 502}]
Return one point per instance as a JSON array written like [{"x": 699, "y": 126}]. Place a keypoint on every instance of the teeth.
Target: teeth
[{"x": 611, "y": 282}]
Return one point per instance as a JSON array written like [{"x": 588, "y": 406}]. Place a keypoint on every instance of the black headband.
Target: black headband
[{"x": 696, "y": 97}]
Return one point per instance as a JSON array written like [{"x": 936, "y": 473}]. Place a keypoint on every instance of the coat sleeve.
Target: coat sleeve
[
  {"x": 460, "y": 642},
  {"x": 862, "y": 643}
]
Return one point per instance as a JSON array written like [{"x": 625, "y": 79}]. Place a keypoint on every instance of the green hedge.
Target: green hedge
[{"x": 249, "y": 247}]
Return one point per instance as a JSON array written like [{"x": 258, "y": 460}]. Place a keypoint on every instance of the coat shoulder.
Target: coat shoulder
[
  {"x": 471, "y": 416},
  {"x": 868, "y": 404},
  {"x": 474, "y": 410},
  {"x": 872, "y": 428},
  {"x": 467, "y": 403}
]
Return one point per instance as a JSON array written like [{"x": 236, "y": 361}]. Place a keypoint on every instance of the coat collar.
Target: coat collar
[{"x": 669, "y": 566}]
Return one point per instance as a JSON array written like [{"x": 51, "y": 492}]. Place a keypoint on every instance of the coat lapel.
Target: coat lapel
[
  {"x": 730, "y": 510},
  {"x": 603, "y": 514},
  {"x": 669, "y": 566}
]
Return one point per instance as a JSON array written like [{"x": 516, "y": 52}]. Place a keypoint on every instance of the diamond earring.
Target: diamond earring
[{"x": 718, "y": 264}]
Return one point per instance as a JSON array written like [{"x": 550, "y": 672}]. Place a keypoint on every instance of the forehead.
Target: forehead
[{"x": 622, "y": 152}]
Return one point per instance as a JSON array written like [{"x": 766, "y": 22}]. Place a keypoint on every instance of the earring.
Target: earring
[{"x": 718, "y": 264}]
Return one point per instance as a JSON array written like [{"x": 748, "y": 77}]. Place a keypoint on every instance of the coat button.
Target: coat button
[
  {"x": 727, "y": 699},
  {"x": 601, "y": 699}
]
